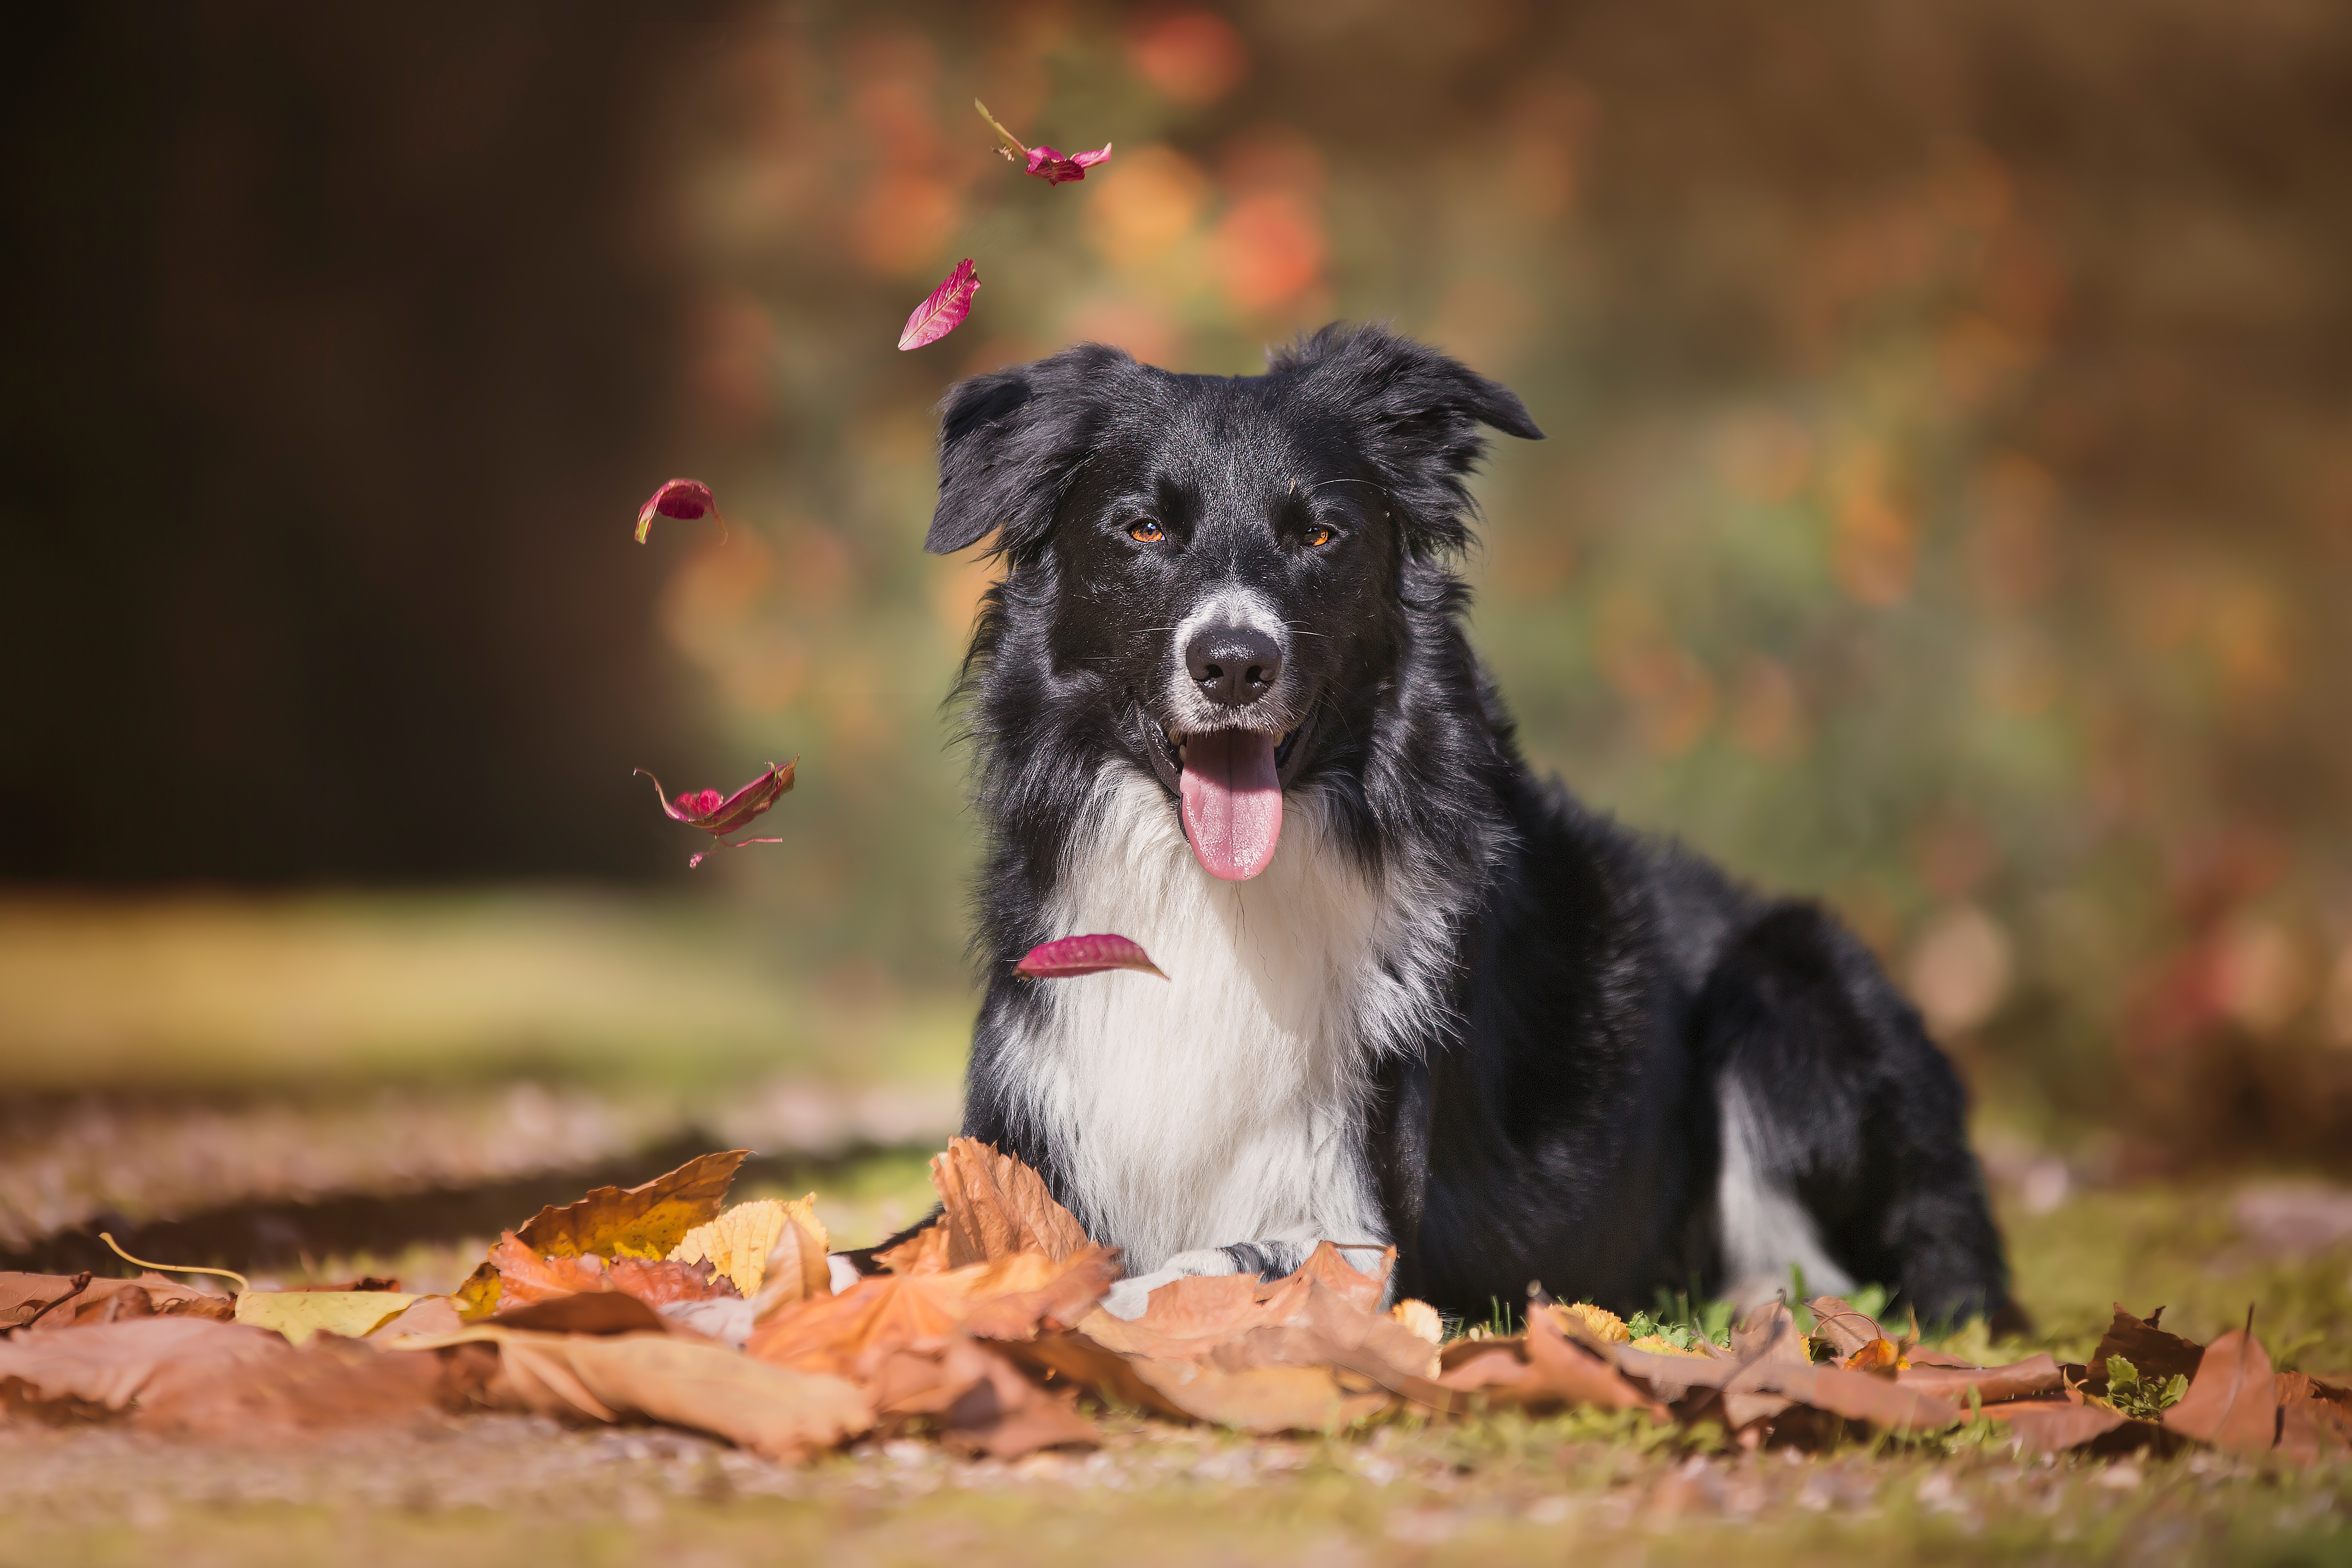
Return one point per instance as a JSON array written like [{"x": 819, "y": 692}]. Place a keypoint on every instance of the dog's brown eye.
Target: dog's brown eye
[
  {"x": 1317, "y": 538},
  {"x": 1145, "y": 532}
]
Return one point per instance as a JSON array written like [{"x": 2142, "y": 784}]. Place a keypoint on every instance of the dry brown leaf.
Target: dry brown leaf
[
  {"x": 23, "y": 1297},
  {"x": 2050, "y": 1424},
  {"x": 1842, "y": 1329},
  {"x": 1856, "y": 1397},
  {"x": 586, "y": 1312},
  {"x": 325, "y": 1384},
  {"x": 981, "y": 1403},
  {"x": 2315, "y": 1418},
  {"x": 738, "y": 1242},
  {"x": 642, "y": 1222},
  {"x": 1330, "y": 1265},
  {"x": 1765, "y": 1339},
  {"x": 1186, "y": 1318},
  {"x": 1014, "y": 1298},
  {"x": 2232, "y": 1401},
  {"x": 102, "y": 1367},
  {"x": 425, "y": 1315},
  {"x": 795, "y": 1269},
  {"x": 1010, "y": 1298},
  {"x": 925, "y": 1252},
  {"x": 995, "y": 1205},
  {"x": 2018, "y": 1380},
  {"x": 2157, "y": 1353},
  {"x": 771, "y": 1411}
]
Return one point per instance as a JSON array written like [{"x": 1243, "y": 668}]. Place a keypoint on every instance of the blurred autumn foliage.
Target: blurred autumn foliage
[{"x": 1948, "y": 511}]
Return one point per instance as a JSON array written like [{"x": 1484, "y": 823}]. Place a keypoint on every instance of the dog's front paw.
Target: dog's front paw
[{"x": 1131, "y": 1296}]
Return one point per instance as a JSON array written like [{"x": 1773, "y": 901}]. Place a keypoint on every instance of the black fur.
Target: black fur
[{"x": 1560, "y": 1122}]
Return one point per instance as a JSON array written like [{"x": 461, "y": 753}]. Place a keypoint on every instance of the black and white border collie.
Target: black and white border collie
[{"x": 1223, "y": 704}]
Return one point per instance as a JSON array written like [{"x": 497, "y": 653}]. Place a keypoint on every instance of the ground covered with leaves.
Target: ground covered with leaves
[{"x": 1394, "y": 1480}]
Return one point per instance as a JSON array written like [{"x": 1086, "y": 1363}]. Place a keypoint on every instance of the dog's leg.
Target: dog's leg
[
  {"x": 1844, "y": 1143},
  {"x": 1269, "y": 1258}
]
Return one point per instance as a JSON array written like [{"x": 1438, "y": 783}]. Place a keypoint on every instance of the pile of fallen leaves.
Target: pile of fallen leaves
[{"x": 985, "y": 1332}]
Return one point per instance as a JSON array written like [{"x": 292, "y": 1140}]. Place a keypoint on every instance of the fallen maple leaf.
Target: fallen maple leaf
[
  {"x": 1053, "y": 168},
  {"x": 2232, "y": 1401},
  {"x": 994, "y": 1205},
  {"x": 943, "y": 309},
  {"x": 773, "y": 1412},
  {"x": 685, "y": 500},
  {"x": 1010, "y": 1297},
  {"x": 2054, "y": 1424},
  {"x": 719, "y": 814},
  {"x": 643, "y": 1221},
  {"x": 1067, "y": 958}
]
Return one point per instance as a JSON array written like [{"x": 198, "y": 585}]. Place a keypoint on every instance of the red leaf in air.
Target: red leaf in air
[
  {"x": 721, "y": 815},
  {"x": 1075, "y": 956},
  {"x": 685, "y": 500},
  {"x": 1057, "y": 169},
  {"x": 944, "y": 311},
  {"x": 1045, "y": 163}
]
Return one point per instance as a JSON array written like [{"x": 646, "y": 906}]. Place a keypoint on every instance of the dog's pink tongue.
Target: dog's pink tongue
[{"x": 1232, "y": 803}]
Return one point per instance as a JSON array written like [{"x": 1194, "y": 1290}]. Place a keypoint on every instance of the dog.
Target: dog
[{"x": 1221, "y": 702}]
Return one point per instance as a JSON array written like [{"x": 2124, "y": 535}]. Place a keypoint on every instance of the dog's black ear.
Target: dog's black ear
[
  {"x": 1009, "y": 441},
  {"x": 1425, "y": 412}
]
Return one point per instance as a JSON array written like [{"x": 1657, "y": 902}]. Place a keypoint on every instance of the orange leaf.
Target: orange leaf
[
  {"x": 995, "y": 1205},
  {"x": 1845, "y": 1329},
  {"x": 645, "y": 1221}
]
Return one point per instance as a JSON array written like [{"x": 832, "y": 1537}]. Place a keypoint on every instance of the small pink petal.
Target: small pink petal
[
  {"x": 944, "y": 311},
  {"x": 1073, "y": 955},
  {"x": 683, "y": 498}
]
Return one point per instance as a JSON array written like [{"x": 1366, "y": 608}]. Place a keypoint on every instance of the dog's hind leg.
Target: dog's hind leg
[{"x": 1841, "y": 1137}]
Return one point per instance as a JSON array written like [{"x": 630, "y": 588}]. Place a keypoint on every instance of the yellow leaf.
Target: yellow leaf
[
  {"x": 644, "y": 1221},
  {"x": 795, "y": 1269},
  {"x": 738, "y": 1242},
  {"x": 298, "y": 1314},
  {"x": 1598, "y": 1322}
]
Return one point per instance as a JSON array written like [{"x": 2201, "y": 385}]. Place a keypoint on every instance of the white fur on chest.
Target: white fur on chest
[{"x": 1222, "y": 1105}]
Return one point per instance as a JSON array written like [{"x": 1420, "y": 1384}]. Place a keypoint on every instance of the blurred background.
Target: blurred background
[{"x": 1947, "y": 513}]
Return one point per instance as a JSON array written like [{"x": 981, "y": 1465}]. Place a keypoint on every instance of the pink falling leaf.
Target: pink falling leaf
[
  {"x": 944, "y": 311},
  {"x": 685, "y": 500},
  {"x": 1071, "y": 956},
  {"x": 1047, "y": 164},
  {"x": 719, "y": 815}
]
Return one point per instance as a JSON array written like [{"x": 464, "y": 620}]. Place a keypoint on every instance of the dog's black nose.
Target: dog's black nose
[{"x": 1233, "y": 666}]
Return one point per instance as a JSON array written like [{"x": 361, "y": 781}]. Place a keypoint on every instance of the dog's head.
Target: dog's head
[{"x": 1220, "y": 564}]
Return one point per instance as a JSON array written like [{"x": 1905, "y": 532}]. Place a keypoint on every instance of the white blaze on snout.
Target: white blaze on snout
[{"x": 1231, "y": 797}]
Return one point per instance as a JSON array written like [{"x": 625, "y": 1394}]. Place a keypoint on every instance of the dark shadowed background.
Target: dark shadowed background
[{"x": 1948, "y": 510}]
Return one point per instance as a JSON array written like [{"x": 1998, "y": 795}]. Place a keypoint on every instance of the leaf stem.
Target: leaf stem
[{"x": 241, "y": 1282}]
